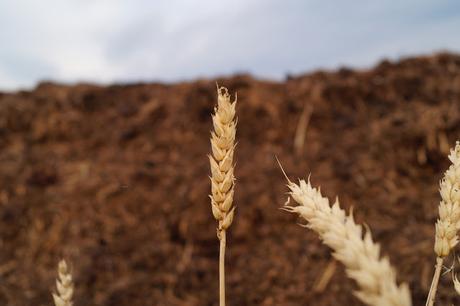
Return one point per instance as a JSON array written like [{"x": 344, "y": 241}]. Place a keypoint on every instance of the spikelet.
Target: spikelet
[
  {"x": 449, "y": 208},
  {"x": 375, "y": 277},
  {"x": 455, "y": 280},
  {"x": 456, "y": 283},
  {"x": 221, "y": 160},
  {"x": 64, "y": 286}
]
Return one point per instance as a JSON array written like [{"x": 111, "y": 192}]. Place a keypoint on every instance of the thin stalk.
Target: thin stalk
[
  {"x": 222, "y": 268},
  {"x": 434, "y": 284}
]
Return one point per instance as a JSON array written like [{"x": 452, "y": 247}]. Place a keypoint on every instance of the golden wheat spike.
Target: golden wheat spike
[
  {"x": 64, "y": 286},
  {"x": 222, "y": 177},
  {"x": 352, "y": 246}
]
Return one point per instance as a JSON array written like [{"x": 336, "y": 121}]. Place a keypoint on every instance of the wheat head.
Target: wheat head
[
  {"x": 449, "y": 208},
  {"x": 64, "y": 286},
  {"x": 448, "y": 223},
  {"x": 222, "y": 178},
  {"x": 374, "y": 275},
  {"x": 221, "y": 160}
]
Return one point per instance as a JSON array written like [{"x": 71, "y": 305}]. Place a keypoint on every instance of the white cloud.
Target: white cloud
[{"x": 115, "y": 40}]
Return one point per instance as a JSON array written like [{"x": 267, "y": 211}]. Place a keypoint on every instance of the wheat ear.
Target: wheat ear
[
  {"x": 222, "y": 178},
  {"x": 448, "y": 223},
  {"x": 375, "y": 277},
  {"x": 64, "y": 286}
]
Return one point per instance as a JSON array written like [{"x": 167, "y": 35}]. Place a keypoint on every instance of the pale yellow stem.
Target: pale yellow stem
[
  {"x": 222, "y": 268},
  {"x": 434, "y": 283}
]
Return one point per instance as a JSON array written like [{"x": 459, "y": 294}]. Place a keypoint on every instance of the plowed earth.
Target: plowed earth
[{"x": 115, "y": 180}]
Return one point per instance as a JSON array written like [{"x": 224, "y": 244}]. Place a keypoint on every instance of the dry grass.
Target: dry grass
[
  {"x": 64, "y": 286},
  {"x": 222, "y": 178},
  {"x": 301, "y": 130},
  {"x": 352, "y": 246}
]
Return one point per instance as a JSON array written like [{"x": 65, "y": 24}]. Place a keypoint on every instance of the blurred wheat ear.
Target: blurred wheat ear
[
  {"x": 447, "y": 226},
  {"x": 222, "y": 178},
  {"x": 352, "y": 246},
  {"x": 64, "y": 286}
]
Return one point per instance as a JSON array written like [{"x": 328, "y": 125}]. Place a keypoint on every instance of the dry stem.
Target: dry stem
[
  {"x": 223, "y": 241},
  {"x": 301, "y": 130},
  {"x": 434, "y": 283}
]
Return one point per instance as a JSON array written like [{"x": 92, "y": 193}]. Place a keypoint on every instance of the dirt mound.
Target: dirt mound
[{"x": 115, "y": 179}]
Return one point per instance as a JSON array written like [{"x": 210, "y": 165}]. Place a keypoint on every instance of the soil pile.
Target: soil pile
[{"x": 115, "y": 180}]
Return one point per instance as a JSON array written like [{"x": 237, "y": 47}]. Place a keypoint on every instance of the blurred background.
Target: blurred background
[
  {"x": 108, "y": 41},
  {"x": 105, "y": 114}
]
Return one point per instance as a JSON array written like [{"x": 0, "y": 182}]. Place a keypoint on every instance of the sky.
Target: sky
[{"x": 115, "y": 41}]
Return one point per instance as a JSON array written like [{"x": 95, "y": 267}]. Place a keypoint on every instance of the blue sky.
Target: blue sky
[{"x": 108, "y": 41}]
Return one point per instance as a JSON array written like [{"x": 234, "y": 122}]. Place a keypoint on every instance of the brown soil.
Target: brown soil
[{"x": 115, "y": 179}]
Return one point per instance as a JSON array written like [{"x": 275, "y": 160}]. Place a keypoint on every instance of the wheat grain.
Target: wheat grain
[
  {"x": 374, "y": 275},
  {"x": 64, "y": 286},
  {"x": 222, "y": 177},
  {"x": 448, "y": 224}
]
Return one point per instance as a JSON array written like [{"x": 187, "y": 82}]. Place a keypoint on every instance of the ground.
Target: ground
[{"x": 115, "y": 180}]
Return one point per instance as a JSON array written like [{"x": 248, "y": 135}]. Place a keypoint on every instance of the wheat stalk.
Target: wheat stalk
[
  {"x": 448, "y": 223},
  {"x": 222, "y": 178},
  {"x": 374, "y": 275},
  {"x": 64, "y": 286}
]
